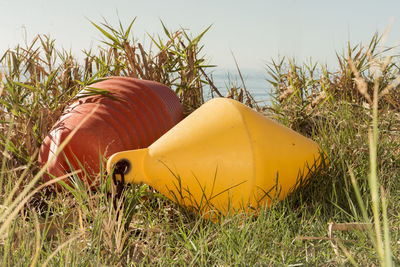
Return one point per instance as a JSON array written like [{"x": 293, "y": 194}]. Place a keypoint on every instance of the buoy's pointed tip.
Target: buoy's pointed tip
[
  {"x": 129, "y": 164},
  {"x": 111, "y": 162}
]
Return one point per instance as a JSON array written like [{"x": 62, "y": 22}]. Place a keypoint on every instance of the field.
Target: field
[{"x": 345, "y": 215}]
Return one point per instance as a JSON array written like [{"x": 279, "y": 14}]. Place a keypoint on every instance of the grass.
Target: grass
[{"x": 346, "y": 215}]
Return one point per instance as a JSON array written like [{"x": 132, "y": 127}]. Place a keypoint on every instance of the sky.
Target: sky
[{"x": 255, "y": 31}]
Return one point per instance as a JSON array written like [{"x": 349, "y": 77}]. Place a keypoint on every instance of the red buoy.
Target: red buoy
[{"x": 137, "y": 114}]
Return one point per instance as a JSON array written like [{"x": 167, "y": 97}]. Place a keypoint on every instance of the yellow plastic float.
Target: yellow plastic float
[{"x": 224, "y": 157}]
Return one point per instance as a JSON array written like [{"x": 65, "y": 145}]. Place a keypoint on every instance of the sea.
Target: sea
[{"x": 255, "y": 81}]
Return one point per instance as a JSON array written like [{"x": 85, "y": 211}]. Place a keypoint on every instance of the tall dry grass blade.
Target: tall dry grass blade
[
  {"x": 386, "y": 231},
  {"x": 38, "y": 239},
  {"x": 382, "y": 246},
  {"x": 211, "y": 83},
  {"x": 250, "y": 100},
  {"x": 372, "y": 177}
]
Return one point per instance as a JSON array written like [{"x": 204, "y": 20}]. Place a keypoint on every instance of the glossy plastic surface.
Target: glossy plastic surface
[
  {"x": 136, "y": 115},
  {"x": 225, "y": 157}
]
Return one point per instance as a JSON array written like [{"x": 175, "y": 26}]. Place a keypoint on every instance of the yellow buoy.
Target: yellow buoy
[{"x": 224, "y": 157}]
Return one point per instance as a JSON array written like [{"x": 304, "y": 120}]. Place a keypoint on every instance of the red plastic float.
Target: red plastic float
[{"x": 136, "y": 115}]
